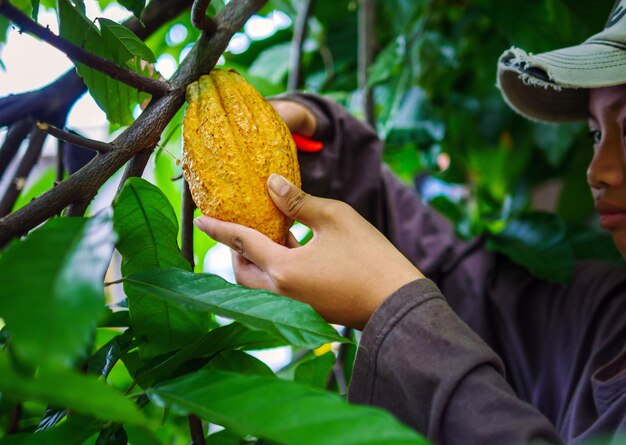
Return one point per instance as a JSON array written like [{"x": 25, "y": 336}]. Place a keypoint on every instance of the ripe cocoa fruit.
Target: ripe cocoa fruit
[{"x": 232, "y": 141}]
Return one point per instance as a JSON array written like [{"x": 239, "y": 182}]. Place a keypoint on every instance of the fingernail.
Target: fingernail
[
  {"x": 278, "y": 184},
  {"x": 201, "y": 223}
]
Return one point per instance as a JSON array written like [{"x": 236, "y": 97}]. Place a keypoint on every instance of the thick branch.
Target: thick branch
[
  {"x": 143, "y": 133},
  {"x": 12, "y": 143},
  {"x": 77, "y": 54},
  {"x": 199, "y": 18},
  {"x": 75, "y": 139},
  {"x": 186, "y": 222},
  {"x": 367, "y": 9},
  {"x": 297, "y": 44}
]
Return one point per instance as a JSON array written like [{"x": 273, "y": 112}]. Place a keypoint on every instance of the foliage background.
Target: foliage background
[{"x": 519, "y": 184}]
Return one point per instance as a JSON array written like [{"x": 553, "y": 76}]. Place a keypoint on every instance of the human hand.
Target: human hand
[
  {"x": 298, "y": 118},
  {"x": 344, "y": 272}
]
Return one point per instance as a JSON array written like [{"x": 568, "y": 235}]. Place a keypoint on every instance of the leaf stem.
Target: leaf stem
[{"x": 75, "y": 139}]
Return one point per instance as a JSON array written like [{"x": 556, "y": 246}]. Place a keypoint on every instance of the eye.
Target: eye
[{"x": 595, "y": 136}]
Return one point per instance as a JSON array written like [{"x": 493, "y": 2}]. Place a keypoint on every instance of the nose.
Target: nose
[{"x": 608, "y": 164}]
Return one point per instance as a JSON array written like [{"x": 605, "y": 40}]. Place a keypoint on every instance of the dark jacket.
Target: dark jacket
[{"x": 481, "y": 352}]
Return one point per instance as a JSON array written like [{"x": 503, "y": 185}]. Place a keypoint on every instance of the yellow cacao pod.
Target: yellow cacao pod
[{"x": 233, "y": 140}]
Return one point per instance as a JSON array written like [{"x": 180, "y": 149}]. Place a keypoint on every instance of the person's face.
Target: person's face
[{"x": 606, "y": 173}]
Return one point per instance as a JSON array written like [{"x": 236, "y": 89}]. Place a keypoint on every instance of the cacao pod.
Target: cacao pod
[{"x": 233, "y": 140}]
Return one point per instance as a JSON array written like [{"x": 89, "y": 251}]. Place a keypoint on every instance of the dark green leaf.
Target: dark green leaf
[
  {"x": 56, "y": 287},
  {"x": 281, "y": 411},
  {"x": 135, "y": 6},
  {"x": 232, "y": 336},
  {"x": 112, "y": 435},
  {"x": 239, "y": 362},
  {"x": 117, "y": 319},
  {"x": 35, "y": 13},
  {"x": 314, "y": 372},
  {"x": 66, "y": 388},
  {"x": 148, "y": 230},
  {"x": 140, "y": 435},
  {"x": 537, "y": 242},
  {"x": 283, "y": 317},
  {"x": 75, "y": 430},
  {"x": 227, "y": 437},
  {"x": 103, "y": 360},
  {"x": 123, "y": 43}
]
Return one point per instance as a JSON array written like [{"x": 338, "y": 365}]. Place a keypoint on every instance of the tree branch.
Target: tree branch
[
  {"x": 297, "y": 43},
  {"x": 199, "y": 18},
  {"x": 75, "y": 139},
  {"x": 142, "y": 134},
  {"x": 77, "y": 54},
  {"x": 186, "y": 223},
  {"x": 367, "y": 10},
  {"x": 12, "y": 143},
  {"x": 37, "y": 138}
]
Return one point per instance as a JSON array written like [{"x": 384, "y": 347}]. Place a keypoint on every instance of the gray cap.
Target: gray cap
[{"x": 553, "y": 86}]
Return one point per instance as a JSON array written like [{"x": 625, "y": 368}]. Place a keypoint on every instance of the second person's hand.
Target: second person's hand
[{"x": 344, "y": 272}]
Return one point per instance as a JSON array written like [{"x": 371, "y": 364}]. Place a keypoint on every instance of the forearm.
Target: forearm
[{"x": 421, "y": 362}]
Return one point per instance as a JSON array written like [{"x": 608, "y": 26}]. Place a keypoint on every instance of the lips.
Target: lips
[{"x": 611, "y": 216}]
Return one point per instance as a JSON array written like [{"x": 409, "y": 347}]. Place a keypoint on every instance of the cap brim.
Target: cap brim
[{"x": 554, "y": 86}]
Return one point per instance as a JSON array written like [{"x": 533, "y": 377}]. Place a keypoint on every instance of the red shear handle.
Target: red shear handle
[{"x": 306, "y": 144}]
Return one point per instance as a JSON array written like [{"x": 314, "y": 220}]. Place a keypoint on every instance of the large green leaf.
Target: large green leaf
[
  {"x": 283, "y": 317},
  {"x": 55, "y": 294},
  {"x": 537, "y": 242},
  {"x": 315, "y": 371},
  {"x": 229, "y": 337},
  {"x": 240, "y": 362},
  {"x": 69, "y": 389},
  {"x": 148, "y": 230},
  {"x": 281, "y": 411},
  {"x": 124, "y": 42},
  {"x": 114, "y": 97}
]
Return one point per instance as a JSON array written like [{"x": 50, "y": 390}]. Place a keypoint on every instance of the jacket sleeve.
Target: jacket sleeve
[{"x": 418, "y": 360}]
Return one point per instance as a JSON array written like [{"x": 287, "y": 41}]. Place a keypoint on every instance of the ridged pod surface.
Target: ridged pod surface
[{"x": 232, "y": 141}]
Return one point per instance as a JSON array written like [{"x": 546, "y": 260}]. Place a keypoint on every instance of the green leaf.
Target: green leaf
[
  {"x": 44, "y": 183},
  {"x": 69, "y": 389},
  {"x": 148, "y": 230},
  {"x": 134, "y": 6},
  {"x": 55, "y": 296},
  {"x": 283, "y": 317},
  {"x": 314, "y": 372},
  {"x": 240, "y": 362},
  {"x": 281, "y": 411},
  {"x": 35, "y": 12},
  {"x": 232, "y": 336},
  {"x": 114, "y": 97},
  {"x": 273, "y": 63},
  {"x": 75, "y": 430},
  {"x": 537, "y": 242},
  {"x": 123, "y": 43}
]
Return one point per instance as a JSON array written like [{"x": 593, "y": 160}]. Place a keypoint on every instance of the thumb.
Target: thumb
[{"x": 293, "y": 202}]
